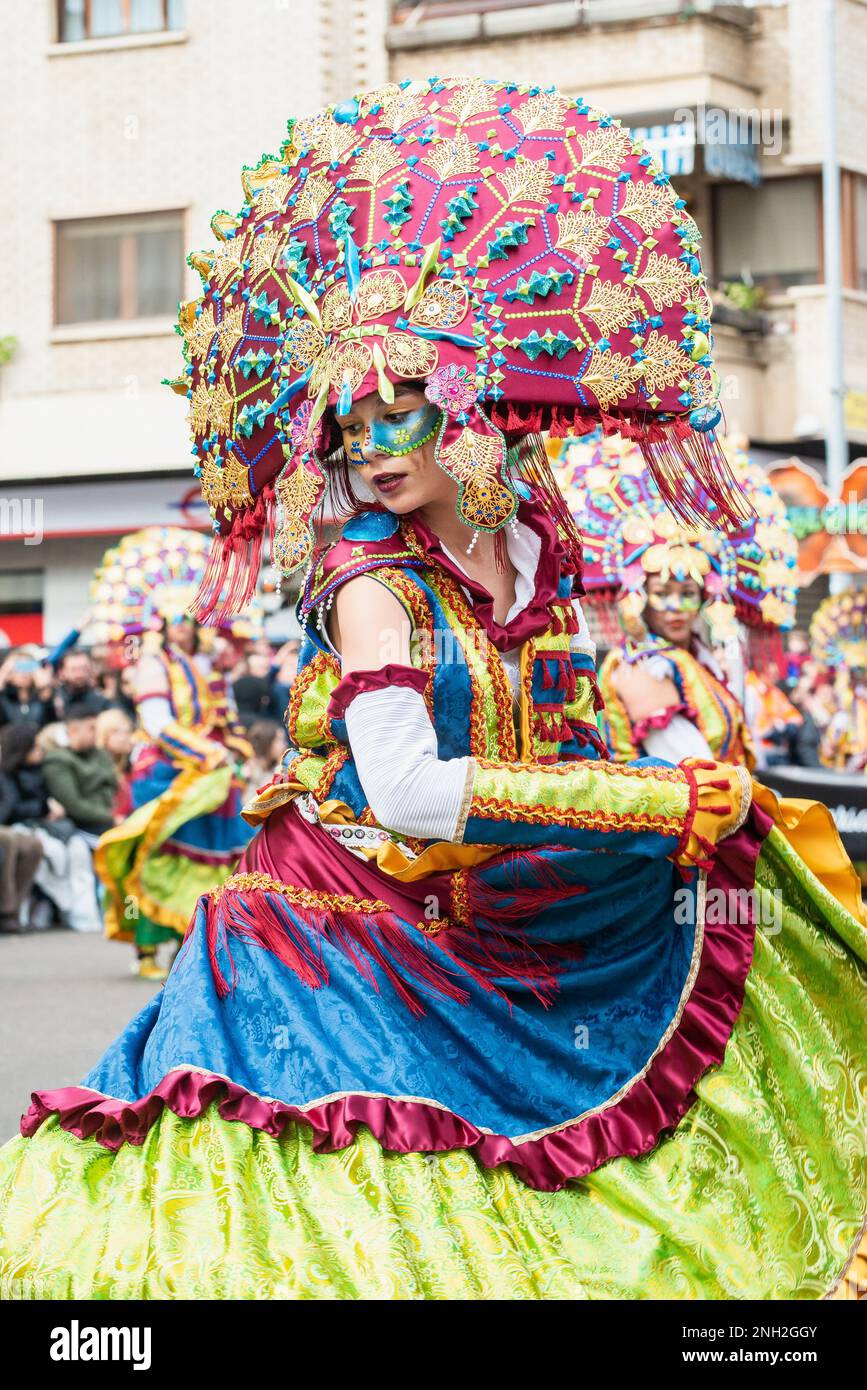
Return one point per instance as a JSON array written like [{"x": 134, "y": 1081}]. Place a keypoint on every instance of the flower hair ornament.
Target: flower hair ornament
[
  {"x": 515, "y": 250},
  {"x": 628, "y": 534}
]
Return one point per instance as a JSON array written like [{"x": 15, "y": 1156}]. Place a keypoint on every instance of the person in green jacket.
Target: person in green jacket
[{"x": 81, "y": 776}]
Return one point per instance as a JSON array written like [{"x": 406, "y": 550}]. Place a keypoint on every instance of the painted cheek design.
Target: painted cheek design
[
  {"x": 399, "y": 437},
  {"x": 395, "y": 437},
  {"x": 675, "y": 603}
]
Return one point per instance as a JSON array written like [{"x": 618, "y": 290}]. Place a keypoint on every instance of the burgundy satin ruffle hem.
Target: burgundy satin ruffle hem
[{"x": 628, "y": 1126}]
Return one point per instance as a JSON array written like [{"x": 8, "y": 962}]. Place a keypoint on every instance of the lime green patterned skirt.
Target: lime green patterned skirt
[{"x": 760, "y": 1193}]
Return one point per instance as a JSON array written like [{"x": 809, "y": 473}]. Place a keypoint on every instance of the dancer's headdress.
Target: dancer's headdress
[
  {"x": 838, "y": 631},
  {"x": 628, "y": 534},
  {"x": 514, "y": 248},
  {"x": 151, "y": 577}
]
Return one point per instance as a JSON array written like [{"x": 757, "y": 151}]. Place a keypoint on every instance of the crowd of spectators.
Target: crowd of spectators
[
  {"x": 67, "y": 737},
  {"x": 792, "y": 705}
]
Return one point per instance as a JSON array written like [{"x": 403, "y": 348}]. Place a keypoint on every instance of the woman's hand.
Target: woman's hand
[{"x": 643, "y": 694}]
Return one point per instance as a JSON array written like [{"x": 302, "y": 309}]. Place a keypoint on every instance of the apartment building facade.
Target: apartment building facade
[
  {"x": 730, "y": 97},
  {"x": 729, "y": 94},
  {"x": 131, "y": 119}
]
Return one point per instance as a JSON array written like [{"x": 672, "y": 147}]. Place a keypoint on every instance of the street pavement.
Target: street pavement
[{"x": 64, "y": 996}]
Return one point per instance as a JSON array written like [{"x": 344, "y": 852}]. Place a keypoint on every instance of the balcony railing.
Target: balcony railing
[
  {"x": 412, "y": 11},
  {"x": 586, "y": 11}
]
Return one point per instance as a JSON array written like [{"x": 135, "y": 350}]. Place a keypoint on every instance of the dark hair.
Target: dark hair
[
  {"x": 74, "y": 651},
  {"x": 166, "y": 626},
  {"x": 80, "y": 709},
  {"x": 261, "y": 735},
  {"x": 16, "y": 743}
]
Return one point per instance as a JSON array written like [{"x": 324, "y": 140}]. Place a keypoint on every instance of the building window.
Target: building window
[
  {"x": 79, "y": 20},
  {"x": 769, "y": 235},
  {"x": 119, "y": 267}
]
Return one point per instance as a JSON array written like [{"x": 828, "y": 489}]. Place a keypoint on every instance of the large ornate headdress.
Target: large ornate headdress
[
  {"x": 514, "y": 248},
  {"x": 628, "y": 534},
  {"x": 150, "y": 577},
  {"x": 838, "y": 631}
]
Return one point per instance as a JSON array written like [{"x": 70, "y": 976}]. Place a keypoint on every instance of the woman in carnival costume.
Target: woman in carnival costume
[
  {"x": 675, "y": 684},
  {"x": 838, "y": 642},
  {"x": 182, "y": 832},
  {"x": 446, "y": 1033}
]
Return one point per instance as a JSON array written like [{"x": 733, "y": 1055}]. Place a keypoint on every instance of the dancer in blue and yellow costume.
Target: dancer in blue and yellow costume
[
  {"x": 448, "y": 1031},
  {"x": 674, "y": 684},
  {"x": 183, "y": 833},
  {"x": 838, "y": 642}
]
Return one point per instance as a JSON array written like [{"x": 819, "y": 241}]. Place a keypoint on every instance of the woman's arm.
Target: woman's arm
[
  {"x": 394, "y": 744},
  {"x": 677, "y": 812},
  {"x": 660, "y": 722}
]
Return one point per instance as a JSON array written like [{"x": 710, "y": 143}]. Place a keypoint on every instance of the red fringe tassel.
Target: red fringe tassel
[
  {"x": 232, "y": 571},
  {"x": 520, "y": 901},
  {"x": 491, "y": 955},
  {"x": 689, "y": 468}
]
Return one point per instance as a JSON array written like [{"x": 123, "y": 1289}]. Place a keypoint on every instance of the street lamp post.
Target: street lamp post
[{"x": 836, "y": 449}]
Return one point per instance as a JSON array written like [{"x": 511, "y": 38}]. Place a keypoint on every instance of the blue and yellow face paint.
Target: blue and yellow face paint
[
  {"x": 395, "y": 437},
  {"x": 680, "y": 602}
]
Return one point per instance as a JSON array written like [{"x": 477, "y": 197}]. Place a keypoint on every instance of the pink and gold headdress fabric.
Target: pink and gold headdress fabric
[{"x": 514, "y": 249}]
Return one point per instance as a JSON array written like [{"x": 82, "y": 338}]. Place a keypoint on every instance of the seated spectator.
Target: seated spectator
[
  {"x": 52, "y": 736},
  {"x": 64, "y": 871},
  {"x": 797, "y": 653},
  {"x": 44, "y": 680},
  {"x": 269, "y": 742},
  {"x": 773, "y": 719},
  {"x": 114, "y": 733},
  {"x": 108, "y": 684},
  {"x": 81, "y": 776},
  {"x": 805, "y": 742},
  {"x": 77, "y": 685},
  {"x": 20, "y": 852},
  {"x": 20, "y": 855},
  {"x": 284, "y": 672},
  {"x": 23, "y": 794},
  {"x": 20, "y": 700}
]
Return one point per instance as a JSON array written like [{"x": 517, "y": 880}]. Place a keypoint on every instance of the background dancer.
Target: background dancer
[
  {"x": 183, "y": 833},
  {"x": 674, "y": 684}
]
